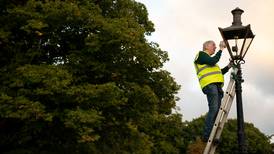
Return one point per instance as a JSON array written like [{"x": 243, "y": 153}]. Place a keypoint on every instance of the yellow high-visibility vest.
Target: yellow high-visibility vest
[{"x": 208, "y": 74}]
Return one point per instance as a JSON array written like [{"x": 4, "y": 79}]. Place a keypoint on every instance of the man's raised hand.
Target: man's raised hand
[{"x": 222, "y": 45}]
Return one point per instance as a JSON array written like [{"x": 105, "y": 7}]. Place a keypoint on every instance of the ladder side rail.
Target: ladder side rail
[{"x": 221, "y": 125}]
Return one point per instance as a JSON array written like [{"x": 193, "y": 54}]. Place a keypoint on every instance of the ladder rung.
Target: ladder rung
[
  {"x": 220, "y": 127},
  {"x": 225, "y": 111},
  {"x": 229, "y": 94}
]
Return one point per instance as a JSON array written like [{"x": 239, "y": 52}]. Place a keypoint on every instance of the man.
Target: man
[{"x": 211, "y": 81}]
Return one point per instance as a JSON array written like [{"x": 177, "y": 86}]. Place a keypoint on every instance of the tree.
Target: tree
[
  {"x": 257, "y": 142},
  {"x": 80, "y": 77}
]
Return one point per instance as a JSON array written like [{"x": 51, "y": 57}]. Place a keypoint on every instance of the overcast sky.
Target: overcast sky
[{"x": 181, "y": 28}]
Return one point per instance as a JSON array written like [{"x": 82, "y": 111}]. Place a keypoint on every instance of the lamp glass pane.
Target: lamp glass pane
[
  {"x": 239, "y": 44},
  {"x": 246, "y": 45}
]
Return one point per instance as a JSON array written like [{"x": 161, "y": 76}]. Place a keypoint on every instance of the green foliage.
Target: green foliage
[
  {"x": 257, "y": 142},
  {"x": 79, "y": 76}
]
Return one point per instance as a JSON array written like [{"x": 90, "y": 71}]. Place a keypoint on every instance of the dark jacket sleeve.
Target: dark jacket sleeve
[
  {"x": 204, "y": 58},
  {"x": 225, "y": 70}
]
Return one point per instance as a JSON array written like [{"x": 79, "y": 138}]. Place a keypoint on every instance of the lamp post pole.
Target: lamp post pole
[{"x": 240, "y": 115}]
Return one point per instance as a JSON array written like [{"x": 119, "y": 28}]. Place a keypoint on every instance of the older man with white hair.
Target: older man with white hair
[{"x": 211, "y": 80}]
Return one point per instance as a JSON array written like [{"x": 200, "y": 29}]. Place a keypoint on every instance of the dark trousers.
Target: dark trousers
[{"x": 214, "y": 94}]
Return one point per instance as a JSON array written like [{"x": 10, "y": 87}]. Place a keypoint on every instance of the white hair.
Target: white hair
[{"x": 206, "y": 44}]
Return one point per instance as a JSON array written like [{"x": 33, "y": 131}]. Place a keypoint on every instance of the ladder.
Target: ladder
[{"x": 222, "y": 115}]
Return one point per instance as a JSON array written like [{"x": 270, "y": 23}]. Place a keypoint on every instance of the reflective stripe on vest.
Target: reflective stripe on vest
[
  {"x": 199, "y": 70},
  {"x": 211, "y": 73},
  {"x": 208, "y": 74}
]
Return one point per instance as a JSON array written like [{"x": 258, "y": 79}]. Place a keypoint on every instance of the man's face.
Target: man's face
[{"x": 211, "y": 47}]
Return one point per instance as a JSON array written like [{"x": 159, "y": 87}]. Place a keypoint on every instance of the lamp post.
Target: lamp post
[{"x": 238, "y": 39}]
